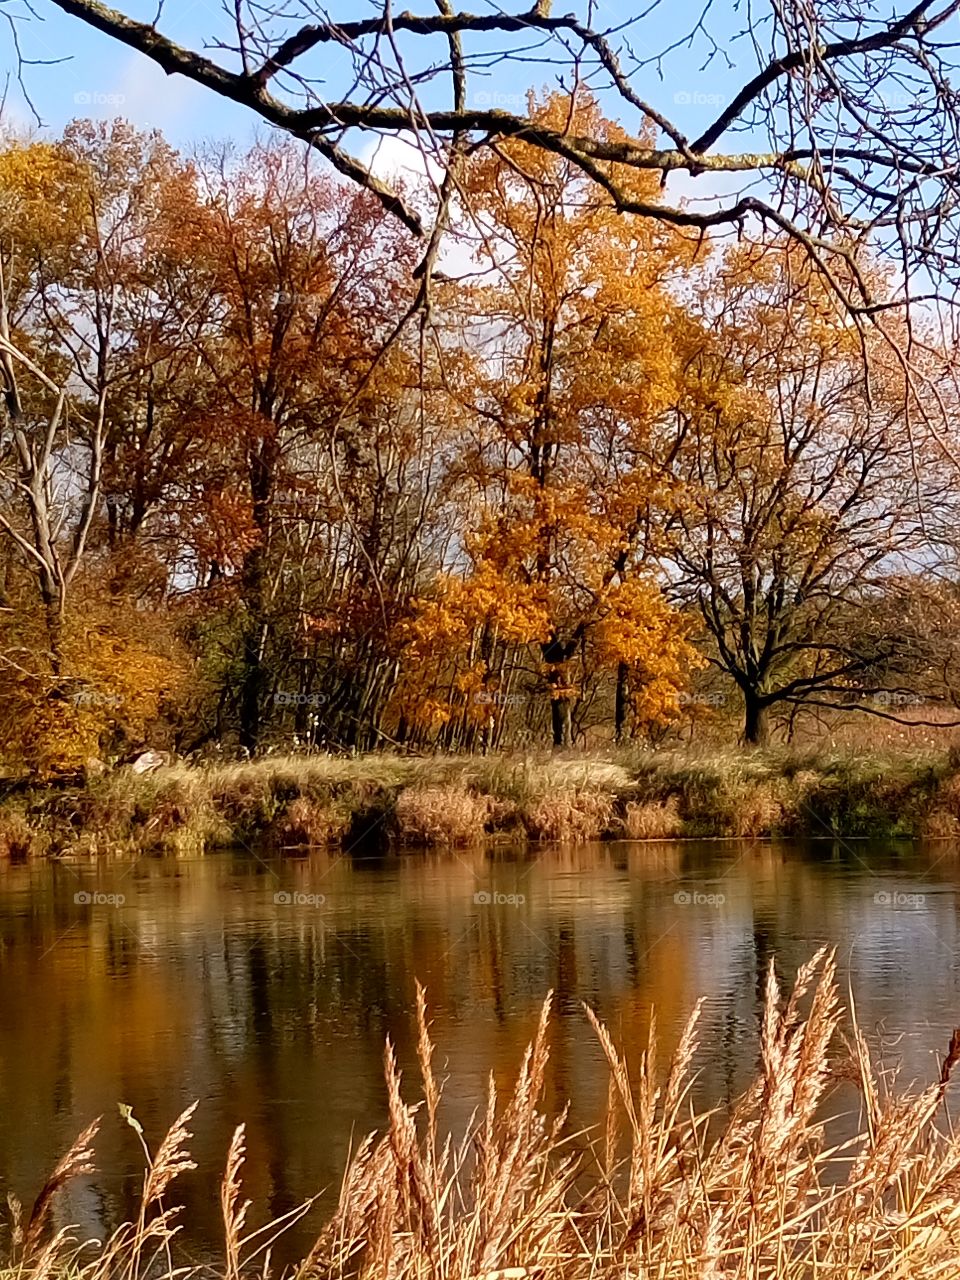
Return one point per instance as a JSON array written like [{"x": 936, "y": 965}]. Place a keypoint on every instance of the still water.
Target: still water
[{"x": 266, "y": 990}]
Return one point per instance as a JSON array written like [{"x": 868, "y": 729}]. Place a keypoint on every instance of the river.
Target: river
[{"x": 266, "y": 988}]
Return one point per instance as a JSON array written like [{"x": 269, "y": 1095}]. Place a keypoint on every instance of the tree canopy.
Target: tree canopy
[{"x": 615, "y": 480}]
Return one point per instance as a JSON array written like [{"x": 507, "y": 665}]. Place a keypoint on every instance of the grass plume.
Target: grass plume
[{"x": 761, "y": 1191}]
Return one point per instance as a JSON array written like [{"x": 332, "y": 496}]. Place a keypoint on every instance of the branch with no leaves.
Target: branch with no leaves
[{"x": 835, "y": 160}]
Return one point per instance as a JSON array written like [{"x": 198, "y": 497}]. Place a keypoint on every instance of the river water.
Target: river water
[{"x": 265, "y": 989}]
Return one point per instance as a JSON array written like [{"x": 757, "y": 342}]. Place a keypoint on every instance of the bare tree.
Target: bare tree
[
  {"x": 35, "y": 505},
  {"x": 843, "y": 130},
  {"x": 74, "y": 284},
  {"x": 801, "y": 495}
]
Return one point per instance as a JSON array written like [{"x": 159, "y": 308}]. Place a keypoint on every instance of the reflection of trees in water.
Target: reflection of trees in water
[{"x": 203, "y": 987}]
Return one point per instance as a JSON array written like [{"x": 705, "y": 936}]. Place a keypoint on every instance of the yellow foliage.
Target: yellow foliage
[
  {"x": 114, "y": 676},
  {"x": 640, "y": 629},
  {"x": 579, "y": 363}
]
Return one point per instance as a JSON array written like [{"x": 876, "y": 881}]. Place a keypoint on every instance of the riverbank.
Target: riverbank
[
  {"x": 293, "y": 803},
  {"x": 767, "y": 1187}
]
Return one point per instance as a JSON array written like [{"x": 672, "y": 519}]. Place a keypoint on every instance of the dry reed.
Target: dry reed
[{"x": 760, "y": 1192}]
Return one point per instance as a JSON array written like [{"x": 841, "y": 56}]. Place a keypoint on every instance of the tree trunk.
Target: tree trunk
[
  {"x": 561, "y": 710},
  {"x": 262, "y": 463},
  {"x": 252, "y": 681},
  {"x": 755, "y": 726},
  {"x": 557, "y": 654},
  {"x": 620, "y": 710},
  {"x": 53, "y": 611}
]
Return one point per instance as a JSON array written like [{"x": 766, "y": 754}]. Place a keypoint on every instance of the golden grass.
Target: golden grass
[
  {"x": 660, "y": 1189},
  {"x": 307, "y": 824},
  {"x": 18, "y": 839},
  {"x": 655, "y": 820},
  {"x": 570, "y": 815},
  {"x": 446, "y": 815},
  {"x": 297, "y": 802}
]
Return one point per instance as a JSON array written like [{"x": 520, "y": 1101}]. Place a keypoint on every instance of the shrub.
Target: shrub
[
  {"x": 308, "y": 823},
  {"x": 653, "y": 820},
  {"x": 447, "y": 815},
  {"x": 18, "y": 839},
  {"x": 569, "y": 815}
]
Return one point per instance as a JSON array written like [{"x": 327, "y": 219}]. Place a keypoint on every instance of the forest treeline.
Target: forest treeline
[{"x": 263, "y": 485}]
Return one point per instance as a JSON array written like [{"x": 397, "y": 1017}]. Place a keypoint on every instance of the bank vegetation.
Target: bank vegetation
[{"x": 398, "y": 802}]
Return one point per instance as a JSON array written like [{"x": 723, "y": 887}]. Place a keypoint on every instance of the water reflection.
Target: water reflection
[{"x": 266, "y": 989}]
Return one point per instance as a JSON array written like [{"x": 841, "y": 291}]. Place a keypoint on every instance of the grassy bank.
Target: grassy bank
[
  {"x": 765, "y": 1190},
  {"x": 299, "y": 802}
]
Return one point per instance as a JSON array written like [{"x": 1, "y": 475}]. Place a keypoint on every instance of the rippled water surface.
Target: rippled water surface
[{"x": 266, "y": 989}]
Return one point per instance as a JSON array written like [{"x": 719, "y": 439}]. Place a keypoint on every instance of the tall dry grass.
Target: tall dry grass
[
  {"x": 760, "y": 1192},
  {"x": 447, "y": 815},
  {"x": 310, "y": 801}
]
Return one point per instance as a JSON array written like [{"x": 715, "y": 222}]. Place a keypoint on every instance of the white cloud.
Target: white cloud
[
  {"x": 708, "y": 191},
  {"x": 396, "y": 159},
  {"x": 391, "y": 156},
  {"x": 16, "y": 119},
  {"x": 143, "y": 94}
]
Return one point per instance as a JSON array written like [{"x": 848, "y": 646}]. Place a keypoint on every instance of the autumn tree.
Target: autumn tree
[
  {"x": 74, "y": 230},
  {"x": 471, "y": 674},
  {"x": 39, "y": 217},
  {"x": 366, "y": 528},
  {"x": 569, "y": 326},
  {"x": 803, "y": 484},
  {"x": 306, "y": 288}
]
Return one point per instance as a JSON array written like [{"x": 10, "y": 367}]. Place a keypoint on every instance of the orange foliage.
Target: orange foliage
[{"x": 571, "y": 329}]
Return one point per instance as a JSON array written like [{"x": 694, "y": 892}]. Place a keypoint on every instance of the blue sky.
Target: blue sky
[{"x": 100, "y": 78}]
